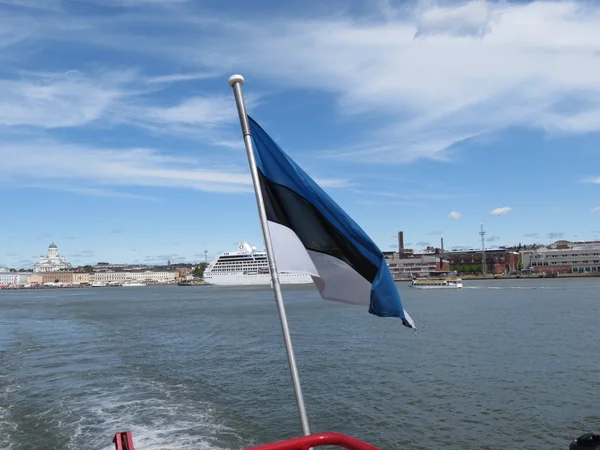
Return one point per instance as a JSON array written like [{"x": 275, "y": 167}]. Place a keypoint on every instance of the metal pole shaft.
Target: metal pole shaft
[{"x": 236, "y": 82}]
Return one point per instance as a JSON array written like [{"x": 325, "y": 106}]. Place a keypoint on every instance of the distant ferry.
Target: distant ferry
[
  {"x": 436, "y": 283},
  {"x": 132, "y": 283},
  {"x": 245, "y": 267}
]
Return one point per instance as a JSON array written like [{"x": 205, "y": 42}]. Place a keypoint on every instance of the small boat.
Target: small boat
[
  {"x": 132, "y": 283},
  {"x": 191, "y": 283},
  {"x": 436, "y": 283}
]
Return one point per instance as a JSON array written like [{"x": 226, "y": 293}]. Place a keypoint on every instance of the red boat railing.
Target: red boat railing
[
  {"x": 124, "y": 441},
  {"x": 317, "y": 440}
]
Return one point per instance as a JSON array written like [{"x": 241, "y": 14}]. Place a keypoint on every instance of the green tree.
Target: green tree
[
  {"x": 88, "y": 269},
  {"x": 198, "y": 271}
]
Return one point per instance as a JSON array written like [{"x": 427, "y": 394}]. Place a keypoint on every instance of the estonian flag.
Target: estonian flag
[{"x": 311, "y": 234}]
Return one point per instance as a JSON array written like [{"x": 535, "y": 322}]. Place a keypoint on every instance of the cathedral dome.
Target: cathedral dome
[{"x": 53, "y": 245}]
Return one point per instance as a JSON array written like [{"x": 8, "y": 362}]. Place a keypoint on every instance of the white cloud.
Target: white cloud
[
  {"x": 411, "y": 194},
  {"x": 52, "y": 100},
  {"x": 535, "y": 67},
  {"x": 90, "y": 191},
  {"x": 595, "y": 209},
  {"x": 76, "y": 99},
  {"x": 500, "y": 211},
  {"x": 475, "y": 68},
  {"x": 205, "y": 110},
  {"x": 469, "y": 19},
  {"x": 52, "y": 163},
  {"x": 454, "y": 215},
  {"x": 332, "y": 182},
  {"x": 35, "y": 4},
  {"x": 133, "y": 3},
  {"x": 175, "y": 78},
  {"x": 592, "y": 180}
]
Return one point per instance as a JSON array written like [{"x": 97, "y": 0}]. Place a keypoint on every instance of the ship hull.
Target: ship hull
[
  {"x": 256, "y": 279},
  {"x": 448, "y": 283},
  {"x": 435, "y": 287}
]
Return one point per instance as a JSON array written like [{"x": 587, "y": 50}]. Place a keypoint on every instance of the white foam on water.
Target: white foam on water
[
  {"x": 159, "y": 415},
  {"x": 150, "y": 411}
]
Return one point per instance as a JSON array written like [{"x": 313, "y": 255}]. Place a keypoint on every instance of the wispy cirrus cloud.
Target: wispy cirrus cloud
[
  {"x": 378, "y": 66},
  {"x": 595, "y": 180},
  {"x": 410, "y": 195},
  {"x": 333, "y": 182},
  {"x": 180, "y": 77},
  {"x": 201, "y": 110},
  {"x": 500, "y": 211},
  {"x": 595, "y": 209},
  {"x": 106, "y": 172},
  {"x": 384, "y": 64},
  {"x": 57, "y": 100},
  {"x": 53, "y": 164},
  {"x": 468, "y": 19},
  {"x": 83, "y": 254},
  {"x": 134, "y": 3},
  {"x": 88, "y": 191}
]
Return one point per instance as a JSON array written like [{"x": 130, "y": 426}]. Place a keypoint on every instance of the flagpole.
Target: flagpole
[{"x": 236, "y": 82}]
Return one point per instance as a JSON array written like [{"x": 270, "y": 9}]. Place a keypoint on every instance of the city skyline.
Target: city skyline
[
  {"x": 121, "y": 141},
  {"x": 87, "y": 258}
]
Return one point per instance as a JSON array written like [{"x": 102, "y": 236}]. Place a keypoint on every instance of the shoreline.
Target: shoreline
[
  {"x": 28, "y": 288},
  {"x": 536, "y": 276},
  {"x": 540, "y": 276}
]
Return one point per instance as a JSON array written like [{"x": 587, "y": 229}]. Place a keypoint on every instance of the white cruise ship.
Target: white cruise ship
[{"x": 247, "y": 266}]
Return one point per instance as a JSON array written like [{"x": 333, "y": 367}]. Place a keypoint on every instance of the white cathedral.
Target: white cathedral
[{"x": 53, "y": 262}]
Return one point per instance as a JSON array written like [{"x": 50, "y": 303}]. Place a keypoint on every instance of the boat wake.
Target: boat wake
[
  {"x": 57, "y": 391},
  {"x": 90, "y": 419},
  {"x": 524, "y": 288}
]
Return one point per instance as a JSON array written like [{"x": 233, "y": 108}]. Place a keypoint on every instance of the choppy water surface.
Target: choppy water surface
[{"x": 499, "y": 365}]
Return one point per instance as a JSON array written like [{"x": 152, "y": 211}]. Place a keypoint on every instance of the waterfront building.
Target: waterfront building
[
  {"x": 57, "y": 277},
  {"x": 146, "y": 275},
  {"x": 53, "y": 262},
  {"x": 496, "y": 260},
  {"x": 563, "y": 257},
  {"x": 81, "y": 277},
  {"x": 424, "y": 266},
  {"x": 35, "y": 278},
  {"x": 4, "y": 269},
  {"x": 13, "y": 278}
]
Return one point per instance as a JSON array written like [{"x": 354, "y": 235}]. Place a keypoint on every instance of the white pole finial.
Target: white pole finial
[{"x": 237, "y": 78}]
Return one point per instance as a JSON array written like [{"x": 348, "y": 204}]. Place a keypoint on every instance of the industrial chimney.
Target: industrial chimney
[{"x": 400, "y": 245}]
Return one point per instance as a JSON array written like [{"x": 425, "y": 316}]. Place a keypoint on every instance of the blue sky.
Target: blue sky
[{"x": 120, "y": 140}]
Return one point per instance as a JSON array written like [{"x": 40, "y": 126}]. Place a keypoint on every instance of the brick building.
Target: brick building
[{"x": 496, "y": 260}]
